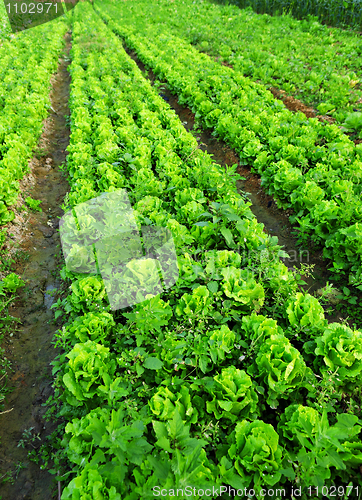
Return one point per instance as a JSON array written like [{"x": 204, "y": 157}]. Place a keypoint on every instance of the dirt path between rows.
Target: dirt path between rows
[{"x": 30, "y": 349}]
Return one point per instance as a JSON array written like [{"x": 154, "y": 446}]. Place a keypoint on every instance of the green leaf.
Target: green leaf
[
  {"x": 201, "y": 224},
  {"x": 203, "y": 362},
  {"x": 57, "y": 314},
  {"x": 228, "y": 235},
  {"x": 213, "y": 286},
  {"x": 153, "y": 363}
]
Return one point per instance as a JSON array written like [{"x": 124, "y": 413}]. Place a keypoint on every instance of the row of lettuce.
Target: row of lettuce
[
  {"x": 194, "y": 387},
  {"x": 28, "y": 61},
  {"x": 310, "y": 167},
  {"x": 24, "y": 102},
  {"x": 320, "y": 65}
]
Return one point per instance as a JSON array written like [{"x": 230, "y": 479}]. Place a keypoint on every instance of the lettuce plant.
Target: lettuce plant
[
  {"x": 305, "y": 311},
  {"x": 88, "y": 364},
  {"x": 164, "y": 403},
  {"x": 341, "y": 349},
  {"x": 105, "y": 435},
  {"x": 353, "y": 123},
  {"x": 196, "y": 305},
  {"x": 241, "y": 286},
  {"x": 87, "y": 293},
  {"x": 221, "y": 342},
  {"x": 95, "y": 326},
  {"x": 256, "y": 329},
  {"x": 256, "y": 455},
  {"x": 90, "y": 483},
  {"x": 12, "y": 282},
  {"x": 280, "y": 367},
  {"x": 233, "y": 394}
]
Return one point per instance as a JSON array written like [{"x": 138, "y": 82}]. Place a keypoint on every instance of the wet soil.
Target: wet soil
[
  {"x": 264, "y": 207},
  {"x": 30, "y": 349}
]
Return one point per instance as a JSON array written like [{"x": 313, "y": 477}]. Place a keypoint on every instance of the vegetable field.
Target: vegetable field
[{"x": 241, "y": 379}]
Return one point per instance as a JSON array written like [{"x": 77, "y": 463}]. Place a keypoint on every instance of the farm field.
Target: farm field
[
  {"x": 320, "y": 65},
  {"x": 241, "y": 373}
]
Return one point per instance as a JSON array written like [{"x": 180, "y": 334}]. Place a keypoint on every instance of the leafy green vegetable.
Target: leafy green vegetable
[
  {"x": 234, "y": 396},
  {"x": 305, "y": 311},
  {"x": 256, "y": 454},
  {"x": 88, "y": 363},
  {"x": 11, "y": 282},
  {"x": 341, "y": 349},
  {"x": 280, "y": 367}
]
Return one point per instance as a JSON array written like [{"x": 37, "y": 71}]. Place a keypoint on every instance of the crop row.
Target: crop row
[
  {"x": 310, "y": 167},
  {"x": 183, "y": 388},
  {"x": 329, "y": 12},
  {"x": 24, "y": 102},
  {"x": 320, "y": 65}
]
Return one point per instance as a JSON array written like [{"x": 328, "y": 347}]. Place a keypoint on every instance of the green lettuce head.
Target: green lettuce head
[
  {"x": 164, "y": 403},
  {"x": 90, "y": 484},
  {"x": 195, "y": 305},
  {"x": 257, "y": 328},
  {"x": 95, "y": 326},
  {"x": 280, "y": 367},
  {"x": 319, "y": 449},
  {"x": 221, "y": 342},
  {"x": 256, "y": 453},
  {"x": 241, "y": 286},
  {"x": 305, "y": 311},
  {"x": 341, "y": 349},
  {"x": 85, "y": 371},
  {"x": 233, "y": 394}
]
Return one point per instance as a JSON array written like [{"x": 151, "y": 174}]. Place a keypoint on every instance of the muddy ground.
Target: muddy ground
[{"x": 30, "y": 348}]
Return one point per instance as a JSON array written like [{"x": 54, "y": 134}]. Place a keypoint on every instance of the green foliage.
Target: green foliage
[
  {"x": 299, "y": 159},
  {"x": 256, "y": 456},
  {"x": 33, "y": 204},
  {"x": 234, "y": 396},
  {"x": 165, "y": 403},
  {"x": 280, "y": 367},
  {"x": 318, "y": 448},
  {"x": 11, "y": 283},
  {"x": 341, "y": 349},
  {"x": 305, "y": 311},
  {"x": 21, "y": 129},
  {"x": 89, "y": 365},
  {"x": 92, "y": 484},
  {"x": 174, "y": 391},
  {"x": 353, "y": 123}
]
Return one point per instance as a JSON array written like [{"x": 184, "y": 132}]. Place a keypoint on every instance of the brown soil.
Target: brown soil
[
  {"x": 30, "y": 349},
  {"x": 293, "y": 104}
]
